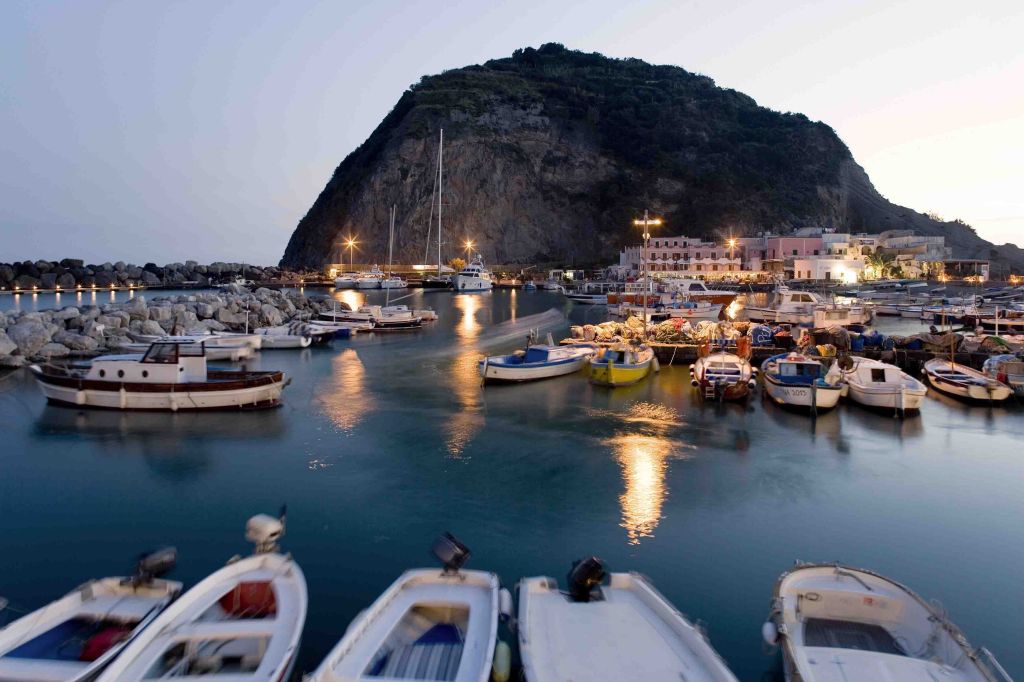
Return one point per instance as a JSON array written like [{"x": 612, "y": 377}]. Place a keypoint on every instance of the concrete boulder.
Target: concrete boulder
[
  {"x": 160, "y": 313},
  {"x": 66, "y": 281},
  {"x": 149, "y": 279},
  {"x": 7, "y": 346},
  {"x": 76, "y": 341},
  {"x": 111, "y": 321},
  {"x": 66, "y": 313},
  {"x": 151, "y": 327},
  {"x": 205, "y": 311},
  {"x": 185, "y": 319},
  {"x": 271, "y": 315},
  {"x": 29, "y": 336},
  {"x": 225, "y": 316}
]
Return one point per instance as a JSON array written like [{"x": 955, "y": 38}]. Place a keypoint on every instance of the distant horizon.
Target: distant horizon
[{"x": 166, "y": 143}]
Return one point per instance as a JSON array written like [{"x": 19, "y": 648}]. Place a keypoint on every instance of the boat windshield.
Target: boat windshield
[
  {"x": 800, "y": 369},
  {"x": 162, "y": 353}
]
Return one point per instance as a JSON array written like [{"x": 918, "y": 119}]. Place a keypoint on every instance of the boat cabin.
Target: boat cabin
[
  {"x": 475, "y": 269},
  {"x": 798, "y": 371},
  {"x": 169, "y": 362},
  {"x": 871, "y": 373}
]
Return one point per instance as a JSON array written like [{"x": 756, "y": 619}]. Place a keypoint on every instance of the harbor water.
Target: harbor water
[{"x": 385, "y": 441}]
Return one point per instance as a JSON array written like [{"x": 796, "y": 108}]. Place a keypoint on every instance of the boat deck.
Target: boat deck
[{"x": 841, "y": 634}]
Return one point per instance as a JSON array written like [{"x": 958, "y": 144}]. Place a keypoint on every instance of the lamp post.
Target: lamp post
[
  {"x": 646, "y": 223},
  {"x": 732, "y": 248},
  {"x": 469, "y": 250},
  {"x": 351, "y": 244}
]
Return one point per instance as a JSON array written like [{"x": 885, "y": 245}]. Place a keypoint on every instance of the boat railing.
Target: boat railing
[{"x": 997, "y": 673}]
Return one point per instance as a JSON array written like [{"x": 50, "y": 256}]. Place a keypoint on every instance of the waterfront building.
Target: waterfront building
[{"x": 685, "y": 257}]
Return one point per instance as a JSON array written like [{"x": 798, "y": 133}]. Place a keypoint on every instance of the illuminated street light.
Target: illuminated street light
[
  {"x": 646, "y": 223},
  {"x": 351, "y": 244},
  {"x": 469, "y": 249}
]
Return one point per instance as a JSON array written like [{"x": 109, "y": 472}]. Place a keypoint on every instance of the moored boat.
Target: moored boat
[
  {"x": 585, "y": 298},
  {"x": 429, "y": 625},
  {"x": 1009, "y": 369},
  {"x": 838, "y": 623},
  {"x": 622, "y": 629},
  {"x": 621, "y": 365},
  {"x": 797, "y": 380},
  {"x": 214, "y": 352},
  {"x": 879, "y": 385},
  {"x": 242, "y": 622},
  {"x": 346, "y": 280},
  {"x": 169, "y": 376},
  {"x": 473, "y": 277},
  {"x": 696, "y": 290},
  {"x": 286, "y": 337},
  {"x": 965, "y": 383},
  {"x": 74, "y": 638},
  {"x": 371, "y": 279},
  {"x": 722, "y": 375},
  {"x": 808, "y": 308},
  {"x": 536, "y": 362}
]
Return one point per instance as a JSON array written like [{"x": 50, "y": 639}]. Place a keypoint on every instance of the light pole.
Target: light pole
[
  {"x": 646, "y": 223},
  {"x": 351, "y": 244},
  {"x": 469, "y": 251},
  {"x": 732, "y": 248}
]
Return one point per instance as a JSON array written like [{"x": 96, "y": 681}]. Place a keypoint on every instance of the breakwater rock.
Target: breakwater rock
[
  {"x": 70, "y": 273},
  {"x": 88, "y": 330}
]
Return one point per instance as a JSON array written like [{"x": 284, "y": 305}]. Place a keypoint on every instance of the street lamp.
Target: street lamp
[
  {"x": 469, "y": 249},
  {"x": 732, "y": 247},
  {"x": 646, "y": 223},
  {"x": 351, "y": 245}
]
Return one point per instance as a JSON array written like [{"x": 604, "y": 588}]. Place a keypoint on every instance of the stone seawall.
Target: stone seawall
[
  {"x": 71, "y": 273},
  {"x": 88, "y": 330}
]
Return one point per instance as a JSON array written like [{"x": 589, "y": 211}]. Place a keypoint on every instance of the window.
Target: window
[
  {"x": 794, "y": 252},
  {"x": 878, "y": 376},
  {"x": 714, "y": 256},
  {"x": 828, "y": 275},
  {"x": 816, "y": 252},
  {"x": 686, "y": 256},
  {"x": 120, "y": 374},
  {"x": 162, "y": 353},
  {"x": 698, "y": 268}
]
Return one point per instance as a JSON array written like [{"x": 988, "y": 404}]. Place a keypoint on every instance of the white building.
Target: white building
[
  {"x": 685, "y": 257},
  {"x": 829, "y": 268}
]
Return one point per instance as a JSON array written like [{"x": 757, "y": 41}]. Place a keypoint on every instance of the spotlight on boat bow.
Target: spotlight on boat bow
[
  {"x": 452, "y": 554},
  {"x": 584, "y": 576},
  {"x": 155, "y": 564}
]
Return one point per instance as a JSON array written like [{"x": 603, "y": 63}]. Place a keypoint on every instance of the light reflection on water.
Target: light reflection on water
[
  {"x": 345, "y": 401},
  {"x": 354, "y": 299},
  {"x": 464, "y": 378}
]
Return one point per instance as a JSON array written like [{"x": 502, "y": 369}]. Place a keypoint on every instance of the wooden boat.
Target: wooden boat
[
  {"x": 216, "y": 352},
  {"x": 621, "y": 365},
  {"x": 205, "y": 337},
  {"x": 536, "y": 362},
  {"x": 169, "y": 376},
  {"x": 696, "y": 290},
  {"x": 843, "y": 624},
  {"x": 587, "y": 298},
  {"x": 620, "y": 630},
  {"x": 1008, "y": 369},
  {"x": 425, "y": 314},
  {"x": 428, "y": 625},
  {"x": 797, "y": 380},
  {"x": 75, "y": 637},
  {"x": 960, "y": 381},
  {"x": 879, "y": 385},
  {"x": 722, "y": 375},
  {"x": 285, "y": 337},
  {"x": 243, "y": 622}
]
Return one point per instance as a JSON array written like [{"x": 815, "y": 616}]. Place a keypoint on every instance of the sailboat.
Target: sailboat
[
  {"x": 438, "y": 281},
  {"x": 389, "y": 317}
]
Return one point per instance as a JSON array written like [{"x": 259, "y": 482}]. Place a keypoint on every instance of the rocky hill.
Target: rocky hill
[{"x": 550, "y": 153}]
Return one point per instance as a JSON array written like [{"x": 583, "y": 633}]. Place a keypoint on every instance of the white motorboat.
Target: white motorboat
[
  {"x": 960, "y": 381},
  {"x": 808, "y": 308},
  {"x": 425, "y": 314},
  {"x": 800, "y": 381},
  {"x": 873, "y": 383},
  {"x": 429, "y": 625},
  {"x": 473, "y": 277},
  {"x": 536, "y": 362},
  {"x": 206, "y": 338},
  {"x": 393, "y": 282},
  {"x": 371, "y": 279},
  {"x": 693, "y": 310},
  {"x": 1009, "y": 369},
  {"x": 722, "y": 375},
  {"x": 841, "y": 624},
  {"x": 75, "y": 637},
  {"x": 169, "y": 376},
  {"x": 696, "y": 290},
  {"x": 346, "y": 280},
  {"x": 282, "y": 337},
  {"x": 587, "y": 298},
  {"x": 243, "y": 622},
  {"x": 341, "y": 329},
  {"x": 622, "y": 630}
]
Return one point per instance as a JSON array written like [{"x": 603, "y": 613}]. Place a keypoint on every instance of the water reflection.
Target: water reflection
[
  {"x": 643, "y": 457},
  {"x": 468, "y": 419},
  {"x": 345, "y": 400},
  {"x": 352, "y": 298}
]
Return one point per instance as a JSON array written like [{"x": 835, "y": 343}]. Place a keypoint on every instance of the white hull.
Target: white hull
[
  {"x": 887, "y": 398},
  {"x": 285, "y": 341},
  {"x": 464, "y": 284},
  {"x": 588, "y": 299},
  {"x": 115, "y": 399},
  {"x": 234, "y": 353},
  {"x": 384, "y": 635},
  {"x": 508, "y": 373},
  {"x": 265, "y": 645},
  {"x": 972, "y": 384},
  {"x": 344, "y": 283},
  {"x": 803, "y": 396},
  {"x": 367, "y": 284}
]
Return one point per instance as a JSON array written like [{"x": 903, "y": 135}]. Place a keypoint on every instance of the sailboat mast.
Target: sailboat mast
[
  {"x": 391, "y": 247},
  {"x": 440, "y": 189}
]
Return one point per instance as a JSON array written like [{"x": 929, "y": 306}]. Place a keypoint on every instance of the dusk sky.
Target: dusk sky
[{"x": 156, "y": 131}]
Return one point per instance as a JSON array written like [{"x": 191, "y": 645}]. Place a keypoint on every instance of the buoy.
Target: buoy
[
  {"x": 694, "y": 383},
  {"x": 770, "y": 633},
  {"x": 505, "y": 603},
  {"x": 752, "y": 384},
  {"x": 502, "y": 668},
  {"x": 656, "y": 364}
]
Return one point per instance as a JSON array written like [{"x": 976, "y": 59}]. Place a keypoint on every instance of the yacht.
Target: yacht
[
  {"x": 609, "y": 628},
  {"x": 242, "y": 622},
  {"x": 697, "y": 290},
  {"x": 346, "y": 280},
  {"x": 371, "y": 279},
  {"x": 844, "y": 624},
  {"x": 169, "y": 376},
  {"x": 429, "y": 625},
  {"x": 393, "y": 282},
  {"x": 474, "y": 277},
  {"x": 74, "y": 638},
  {"x": 808, "y": 308}
]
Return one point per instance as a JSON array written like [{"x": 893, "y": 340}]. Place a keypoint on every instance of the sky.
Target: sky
[{"x": 160, "y": 131}]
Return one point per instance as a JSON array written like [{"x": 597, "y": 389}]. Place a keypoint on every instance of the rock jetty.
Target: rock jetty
[
  {"x": 70, "y": 273},
  {"x": 88, "y": 330}
]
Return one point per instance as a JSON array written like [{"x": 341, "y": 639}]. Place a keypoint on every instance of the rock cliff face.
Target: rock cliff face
[{"x": 549, "y": 155}]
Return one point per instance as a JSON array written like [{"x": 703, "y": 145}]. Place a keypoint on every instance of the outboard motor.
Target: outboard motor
[
  {"x": 155, "y": 564},
  {"x": 452, "y": 554},
  {"x": 264, "y": 531},
  {"x": 584, "y": 576}
]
